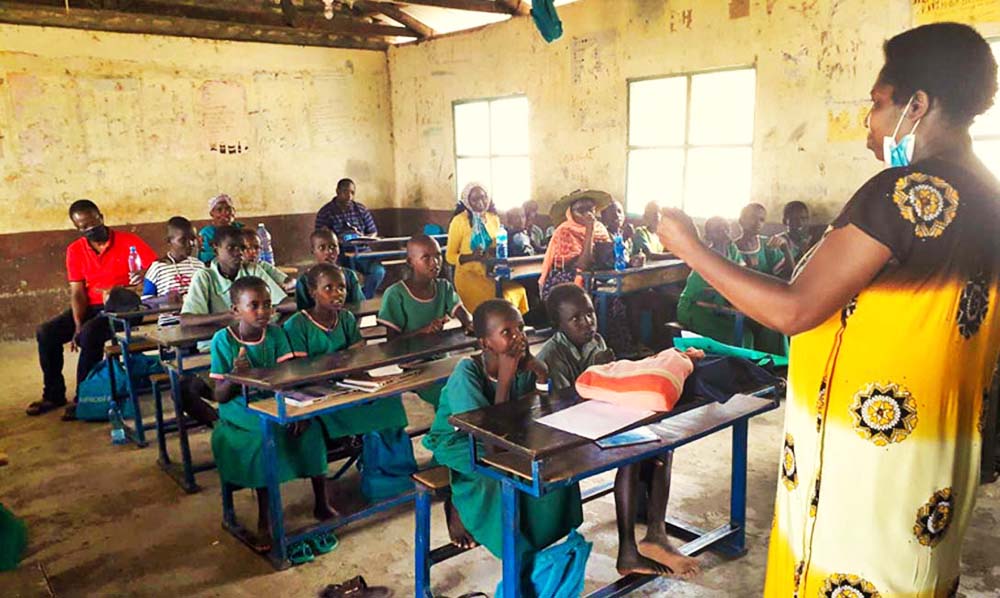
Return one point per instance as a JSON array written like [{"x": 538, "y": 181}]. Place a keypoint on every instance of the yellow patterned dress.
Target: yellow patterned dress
[{"x": 883, "y": 423}]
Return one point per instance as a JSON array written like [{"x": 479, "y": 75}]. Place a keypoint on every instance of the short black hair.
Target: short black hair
[
  {"x": 791, "y": 207},
  {"x": 950, "y": 62},
  {"x": 323, "y": 233},
  {"x": 83, "y": 205},
  {"x": 420, "y": 239},
  {"x": 560, "y": 294},
  {"x": 343, "y": 183},
  {"x": 226, "y": 232},
  {"x": 486, "y": 311},
  {"x": 752, "y": 206},
  {"x": 247, "y": 283},
  {"x": 323, "y": 269},
  {"x": 179, "y": 224}
]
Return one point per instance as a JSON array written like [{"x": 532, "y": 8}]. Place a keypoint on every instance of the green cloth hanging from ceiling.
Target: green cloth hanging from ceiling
[{"x": 546, "y": 19}]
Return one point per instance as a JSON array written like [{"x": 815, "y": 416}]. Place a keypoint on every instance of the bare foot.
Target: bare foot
[
  {"x": 262, "y": 543},
  {"x": 456, "y": 529},
  {"x": 323, "y": 512},
  {"x": 636, "y": 563},
  {"x": 683, "y": 567}
]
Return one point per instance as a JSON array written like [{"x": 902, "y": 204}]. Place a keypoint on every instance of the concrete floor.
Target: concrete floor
[{"x": 104, "y": 521}]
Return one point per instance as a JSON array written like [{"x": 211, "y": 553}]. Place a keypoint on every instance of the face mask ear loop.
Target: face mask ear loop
[
  {"x": 899, "y": 122},
  {"x": 914, "y": 130}
]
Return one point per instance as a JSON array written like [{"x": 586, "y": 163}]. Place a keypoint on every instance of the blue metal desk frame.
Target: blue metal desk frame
[
  {"x": 605, "y": 284},
  {"x": 506, "y": 273},
  {"x": 728, "y": 539}
]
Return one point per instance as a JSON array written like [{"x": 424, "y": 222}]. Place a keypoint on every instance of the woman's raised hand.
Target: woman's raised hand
[{"x": 677, "y": 232}]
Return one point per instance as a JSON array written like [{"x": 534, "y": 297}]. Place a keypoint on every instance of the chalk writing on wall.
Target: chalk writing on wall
[
  {"x": 592, "y": 57},
  {"x": 331, "y": 105},
  {"x": 109, "y": 110},
  {"x": 223, "y": 111},
  {"x": 966, "y": 11}
]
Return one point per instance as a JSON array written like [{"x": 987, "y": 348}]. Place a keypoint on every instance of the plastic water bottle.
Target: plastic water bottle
[
  {"x": 266, "y": 251},
  {"x": 134, "y": 261},
  {"x": 117, "y": 425},
  {"x": 620, "y": 262},
  {"x": 502, "y": 244}
]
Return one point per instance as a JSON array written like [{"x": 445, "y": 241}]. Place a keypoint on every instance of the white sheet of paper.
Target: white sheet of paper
[
  {"x": 594, "y": 419},
  {"x": 386, "y": 370}
]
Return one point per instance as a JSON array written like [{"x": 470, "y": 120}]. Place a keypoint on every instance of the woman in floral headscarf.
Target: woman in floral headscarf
[{"x": 471, "y": 247}]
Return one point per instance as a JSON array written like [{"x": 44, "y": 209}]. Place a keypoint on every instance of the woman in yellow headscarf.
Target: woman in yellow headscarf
[
  {"x": 471, "y": 247},
  {"x": 895, "y": 335}
]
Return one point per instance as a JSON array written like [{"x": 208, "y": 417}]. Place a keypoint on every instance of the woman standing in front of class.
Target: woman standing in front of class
[{"x": 895, "y": 336}]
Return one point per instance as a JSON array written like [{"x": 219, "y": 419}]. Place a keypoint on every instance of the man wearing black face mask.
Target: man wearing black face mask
[{"x": 95, "y": 263}]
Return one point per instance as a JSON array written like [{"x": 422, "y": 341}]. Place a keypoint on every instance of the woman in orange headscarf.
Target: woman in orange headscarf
[{"x": 571, "y": 249}]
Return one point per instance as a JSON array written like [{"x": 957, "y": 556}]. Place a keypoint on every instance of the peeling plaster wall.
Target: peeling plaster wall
[
  {"x": 152, "y": 126},
  {"x": 815, "y": 61}
]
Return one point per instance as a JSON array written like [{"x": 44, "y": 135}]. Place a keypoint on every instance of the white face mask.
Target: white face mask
[{"x": 894, "y": 153}]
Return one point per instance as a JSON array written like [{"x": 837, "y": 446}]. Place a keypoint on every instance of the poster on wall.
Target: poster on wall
[
  {"x": 224, "y": 124},
  {"x": 962, "y": 11}
]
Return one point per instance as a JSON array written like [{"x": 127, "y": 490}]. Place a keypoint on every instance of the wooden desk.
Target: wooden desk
[
  {"x": 605, "y": 284},
  {"x": 519, "y": 268},
  {"x": 441, "y": 239},
  {"x": 534, "y": 459}
]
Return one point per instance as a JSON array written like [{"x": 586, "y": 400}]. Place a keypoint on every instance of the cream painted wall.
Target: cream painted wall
[
  {"x": 815, "y": 62},
  {"x": 130, "y": 121}
]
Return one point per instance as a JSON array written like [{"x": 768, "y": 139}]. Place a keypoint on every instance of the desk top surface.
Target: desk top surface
[
  {"x": 512, "y": 425},
  {"x": 647, "y": 267}
]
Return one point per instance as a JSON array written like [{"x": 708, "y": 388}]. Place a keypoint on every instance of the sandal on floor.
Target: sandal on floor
[
  {"x": 356, "y": 587},
  {"x": 323, "y": 544},
  {"x": 300, "y": 553},
  {"x": 42, "y": 407},
  {"x": 69, "y": 414}
]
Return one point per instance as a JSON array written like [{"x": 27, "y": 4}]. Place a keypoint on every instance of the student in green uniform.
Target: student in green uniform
[
  {"x": 575, "y": 346},
  {"x": 251, "y": 261},
  {"x": 327, "y": 328},
  {"x": 759, "y": 255},
  {"x": 326, "y": 249},
  {"x": 797, "y": 238},
  {"x": 702, "y": 319},
  {"x": 208, "y": 302},
  {"x": 422, "y": 303},
  {"x": 503, "y": 371},
  {"x": 645, "y": 241},
  {"x": 237, "y": 442}
]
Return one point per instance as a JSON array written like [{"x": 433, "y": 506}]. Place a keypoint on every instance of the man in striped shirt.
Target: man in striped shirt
[
  {"x": 171, "y": 275},
  {"x": 350, "y": 219}
]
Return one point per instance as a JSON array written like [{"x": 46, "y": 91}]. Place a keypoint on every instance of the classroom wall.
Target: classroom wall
[
  {"x": 815, "y": 61},
  {"x": 150, "y": 127}
]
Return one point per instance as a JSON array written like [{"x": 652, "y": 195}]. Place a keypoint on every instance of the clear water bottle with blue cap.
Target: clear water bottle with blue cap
[
  {"x": 117, "y": 425},
  {"x": 501, "y": 244},
  {"x": 266, "y": 250},
  {"x": 621, "y": 262}
]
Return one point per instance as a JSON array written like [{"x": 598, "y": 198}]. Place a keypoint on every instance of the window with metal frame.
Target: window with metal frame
[
  {"x": 690, "y": 142},
  {"x": 985, "y": 129},
  {"x": 491, "y": 147}
]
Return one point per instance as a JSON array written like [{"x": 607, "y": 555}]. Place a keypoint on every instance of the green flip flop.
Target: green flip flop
[
  {"x": 324, "y": 543},
  {"x": 300, "y": 553}
]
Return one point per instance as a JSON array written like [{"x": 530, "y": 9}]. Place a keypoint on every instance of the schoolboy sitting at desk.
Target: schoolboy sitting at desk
[
  {"x": 327, "y": 327},
  {"x": 326, "y": 250},
  {"x": 423, "y": 303},
  {"x": 503, "y": 371},
  {"x": 208, "y": 302},
  {"x": 251, "y": 259},
  {"x": 237, "y": 441},
  {"x": 645, "y": 241},
  {"x": 171, "y": 274},
  {"x": 574, "y": 347}
]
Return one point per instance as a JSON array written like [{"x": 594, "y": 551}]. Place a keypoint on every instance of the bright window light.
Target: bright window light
[
  {"x": 690, "y": 142},
  {"x": 491, "y": 147},
  {"x": 986, "y": 129}
]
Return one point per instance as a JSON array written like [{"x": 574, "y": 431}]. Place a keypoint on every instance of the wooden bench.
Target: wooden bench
[{"x": 136, "y": 346}]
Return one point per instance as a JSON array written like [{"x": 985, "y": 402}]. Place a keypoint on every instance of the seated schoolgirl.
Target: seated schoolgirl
[
  {"x": 325, "y": 328},
  {"x": 237, "y": 441},
  {"x": 575, "y": 346},
  {"x": 422, "y": 303},
  {"x": 503, "y": 371}
]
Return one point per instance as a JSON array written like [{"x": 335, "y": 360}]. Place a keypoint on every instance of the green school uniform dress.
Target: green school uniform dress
[
  {"x": 704, "y": 320},
  {"x": 308, "y": 338},
  {"x": 404, "y": 313},
  {"x": 566, "y": 361},
  {"x": 209, "y": 289},
  {"x": 768, "y": 260},
  {"x": 544, "y": 520},
  {"x": 646, "y": 242},
  {"x": 304, "y": 300},
  {"x": 237, "y": 440},
  {"x": 207, "y": 234}
]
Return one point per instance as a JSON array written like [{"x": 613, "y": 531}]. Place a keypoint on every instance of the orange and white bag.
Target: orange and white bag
[{"x": 654, "y": 383}]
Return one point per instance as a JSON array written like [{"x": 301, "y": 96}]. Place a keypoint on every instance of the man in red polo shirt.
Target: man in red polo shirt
[{"x": 95, "y": 263}]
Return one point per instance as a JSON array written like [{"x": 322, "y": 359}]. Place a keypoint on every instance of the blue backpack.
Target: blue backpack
[
  {"x": 558, "y": 571},
  {"x": 94, "y": 392},
  {"x": 386, "y": 464}
]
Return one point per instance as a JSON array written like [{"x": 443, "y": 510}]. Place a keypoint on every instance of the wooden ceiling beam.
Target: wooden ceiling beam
[
  {"x": 517, "y": 8},
  {"x": 396, "y": 13},
  {"x": 472, "y": 5},
  {"x": 335, "y": 34}
]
